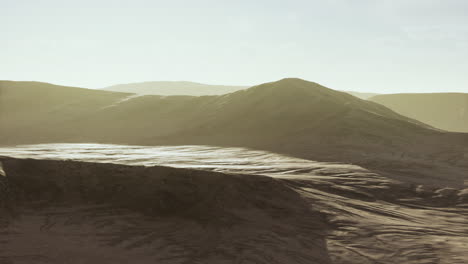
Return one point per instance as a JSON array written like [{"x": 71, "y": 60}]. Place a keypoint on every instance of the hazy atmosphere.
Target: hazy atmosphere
[
  {"x": 241, "y": 132},
  {"x": 384, "y": 46}
]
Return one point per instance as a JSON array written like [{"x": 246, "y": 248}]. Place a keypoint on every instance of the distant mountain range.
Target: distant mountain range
[
  {"x": 189, "y": 88},
  {"x": 174, "y": 88},
  {"x": 448, "y": 111},
  {"x": 289, "y": 116}
]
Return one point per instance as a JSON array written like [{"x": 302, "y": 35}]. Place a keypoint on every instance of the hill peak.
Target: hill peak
[
  {"x": 295, "y": 87},
  {"x": 295, "y": 82}
]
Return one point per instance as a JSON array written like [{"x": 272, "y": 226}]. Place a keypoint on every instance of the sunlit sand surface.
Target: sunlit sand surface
[
  {"x": 366, "y": 217},
  {"x": 233, "y": 160}
]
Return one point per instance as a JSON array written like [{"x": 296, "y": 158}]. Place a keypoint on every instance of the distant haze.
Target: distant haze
[
  {"x": 378, "y": 46},
  {"x": 189, "y": 88},
  {"x": 448, "y": 111},
  {"x": 174, "y": 88}
]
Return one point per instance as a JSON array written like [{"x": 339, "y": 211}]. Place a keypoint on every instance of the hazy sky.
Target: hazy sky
[{"x": 363, "y": 45}]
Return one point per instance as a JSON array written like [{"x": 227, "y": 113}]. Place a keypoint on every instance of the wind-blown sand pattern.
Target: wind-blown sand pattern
[{"x": 218, "y": 205}]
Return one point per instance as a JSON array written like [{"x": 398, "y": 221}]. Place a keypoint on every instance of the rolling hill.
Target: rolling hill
[
  {"x": 447, "y": 111},
  {"x": 271, "y": 111}
]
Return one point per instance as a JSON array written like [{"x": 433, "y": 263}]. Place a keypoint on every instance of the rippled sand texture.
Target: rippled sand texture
[{"x": 302, "y": 212}]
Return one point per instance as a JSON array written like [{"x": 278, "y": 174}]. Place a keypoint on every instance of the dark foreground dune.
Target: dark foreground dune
[
  {"x": 74, "y": 212},
  {"x": 80, "y": 212}
]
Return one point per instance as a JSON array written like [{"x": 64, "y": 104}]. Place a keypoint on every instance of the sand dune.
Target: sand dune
[
  {"x": 328, "y": 213},
  {"x": 154, "y": 214}
]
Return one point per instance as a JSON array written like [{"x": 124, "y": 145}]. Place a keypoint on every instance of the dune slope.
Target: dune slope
[
  {"x": 107, "y": 213},
  {"x": 58, "y": 211}
]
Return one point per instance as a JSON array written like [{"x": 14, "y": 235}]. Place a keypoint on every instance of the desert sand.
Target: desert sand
[{"x": 302, "y": 212}]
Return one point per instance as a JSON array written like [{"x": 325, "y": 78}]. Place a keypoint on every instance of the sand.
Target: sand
[{"x": 81, "y": 212}]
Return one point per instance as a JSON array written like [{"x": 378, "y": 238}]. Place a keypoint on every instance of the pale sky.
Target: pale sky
[{"x": 382, "y": 46}]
